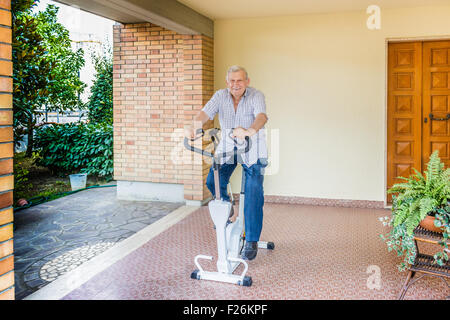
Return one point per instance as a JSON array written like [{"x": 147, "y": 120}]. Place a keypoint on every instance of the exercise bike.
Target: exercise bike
[{"x": 230, "y": 235}]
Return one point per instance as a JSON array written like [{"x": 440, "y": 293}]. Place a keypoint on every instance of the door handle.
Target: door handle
[{"x": 438, "y": 119}]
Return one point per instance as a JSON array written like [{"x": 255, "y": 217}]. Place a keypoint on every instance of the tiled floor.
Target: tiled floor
[{"x": 320, "y": 253}]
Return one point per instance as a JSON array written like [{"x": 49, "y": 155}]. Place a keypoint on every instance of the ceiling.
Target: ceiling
[
  {"x": 169, "y": 14},
  {"x": 233, "y": 9}
]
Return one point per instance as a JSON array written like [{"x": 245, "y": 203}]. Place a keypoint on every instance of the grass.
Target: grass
[{"x": 32, "y": 180}]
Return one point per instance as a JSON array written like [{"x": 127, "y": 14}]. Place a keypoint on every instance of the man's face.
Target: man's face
[{"x": 237, "y": 83}]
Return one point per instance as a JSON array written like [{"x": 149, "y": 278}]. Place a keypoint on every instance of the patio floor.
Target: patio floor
[
  {"x": 55, "y": 237},
  {"x": 320, "y": 253}
]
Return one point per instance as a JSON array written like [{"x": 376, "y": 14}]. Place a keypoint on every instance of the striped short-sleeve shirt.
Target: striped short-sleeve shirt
[{"x": 251, "y": 104}]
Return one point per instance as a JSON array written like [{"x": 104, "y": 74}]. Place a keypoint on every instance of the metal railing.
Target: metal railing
[{"x": 65, "y": 117}]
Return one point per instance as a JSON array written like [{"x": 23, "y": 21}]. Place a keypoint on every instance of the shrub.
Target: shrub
[
  {"x": 77, "y": 147},
  {"x": 21, "y": 170}
]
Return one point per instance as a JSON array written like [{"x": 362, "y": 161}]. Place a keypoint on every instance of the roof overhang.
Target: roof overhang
[{"x": 169, "y": 14}]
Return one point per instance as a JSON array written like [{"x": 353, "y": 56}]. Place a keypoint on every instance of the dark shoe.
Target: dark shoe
[{"x": 250, "y": 250}]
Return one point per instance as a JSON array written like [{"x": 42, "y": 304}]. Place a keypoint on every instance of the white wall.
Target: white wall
[{"x": 324, "y": 78}]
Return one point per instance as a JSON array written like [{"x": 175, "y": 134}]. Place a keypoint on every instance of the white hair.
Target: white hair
[{"x": 236, "y": 69}]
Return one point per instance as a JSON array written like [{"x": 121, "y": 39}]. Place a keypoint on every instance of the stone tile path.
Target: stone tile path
[{"x": 55, "y": 237}]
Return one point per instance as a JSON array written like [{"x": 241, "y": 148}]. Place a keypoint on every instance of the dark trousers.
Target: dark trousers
[{"x": 254, "y": 194}]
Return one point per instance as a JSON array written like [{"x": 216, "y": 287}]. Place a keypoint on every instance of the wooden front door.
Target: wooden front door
[
  {"x": 418, "y": 106},
  {"x": 436, "y": 101}
]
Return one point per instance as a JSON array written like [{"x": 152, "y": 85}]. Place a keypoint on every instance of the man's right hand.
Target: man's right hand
[
  {"x": 199, "y": 121},
  {"x": 189, "y": 132}
]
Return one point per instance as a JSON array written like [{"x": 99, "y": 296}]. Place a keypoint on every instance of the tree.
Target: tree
[
  {"x": 31, "y": 71},
  {"x": 45, "y": 67},
  {"x": 66, "y": 84},
  {"x": 100, "y": 104}
]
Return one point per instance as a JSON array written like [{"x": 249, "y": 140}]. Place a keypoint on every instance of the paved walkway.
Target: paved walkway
[{"x": 55, "y": 237}]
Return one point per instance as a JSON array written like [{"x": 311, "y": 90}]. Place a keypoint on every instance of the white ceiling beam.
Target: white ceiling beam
[{"x": 169, "y": 14}]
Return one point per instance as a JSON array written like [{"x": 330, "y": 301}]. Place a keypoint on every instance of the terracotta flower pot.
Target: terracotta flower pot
[
  {"x": 22, "y": 202},
  {"x": 428, "y": 223}
]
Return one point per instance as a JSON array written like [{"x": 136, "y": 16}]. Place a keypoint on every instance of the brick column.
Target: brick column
[
  {"x": 6, "y": 155},
  {"x": 161, "y": 79},
  {"x": 198, "y": 88}
]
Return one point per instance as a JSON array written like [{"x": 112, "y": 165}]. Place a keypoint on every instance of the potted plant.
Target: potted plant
[
  {"x": 442, "y": 220},
  {"x": 419, "y": 197}
]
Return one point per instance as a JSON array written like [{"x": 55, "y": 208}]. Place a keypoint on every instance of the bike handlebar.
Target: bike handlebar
[
  {"x": 194, "y": 149},
  {"x": 213, "y": 138}
]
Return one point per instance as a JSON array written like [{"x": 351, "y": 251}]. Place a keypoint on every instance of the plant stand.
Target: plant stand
[{"x": 424, "y": 263}]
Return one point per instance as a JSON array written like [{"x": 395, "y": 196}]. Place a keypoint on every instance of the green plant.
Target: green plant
[
  {"x": 24, "y": 172},
  {"x": 21, "y": 166},
  {"x": 54, "y": 191},
  {"x": 31, "y": 71},
  {"x": 100, "y": 104},
  {"x": 45, "y": 69},
  {"x": 443, "y": 220},
  {"x": 77, "y": 147},
  {"x": 66, "y": 85},
  {"x": 419, "y": 196}
]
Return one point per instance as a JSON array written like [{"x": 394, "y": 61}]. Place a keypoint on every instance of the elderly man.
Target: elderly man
[{"x": 242, "y": 112}]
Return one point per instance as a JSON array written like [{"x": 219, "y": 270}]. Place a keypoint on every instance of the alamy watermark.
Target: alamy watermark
[
  {"x": 374, "y": 20},
  {"x": 181, "y": 155},
  {"x": 374, "y": 280}
]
